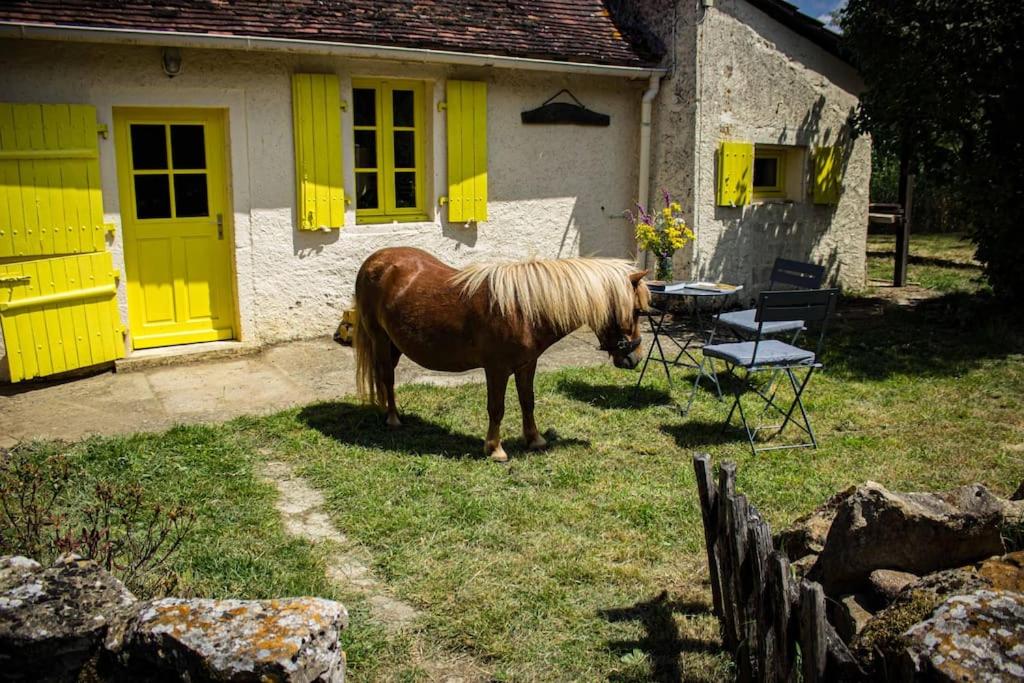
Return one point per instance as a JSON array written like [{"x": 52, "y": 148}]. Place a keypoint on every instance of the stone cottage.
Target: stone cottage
[{"x": 187, "y": 171}]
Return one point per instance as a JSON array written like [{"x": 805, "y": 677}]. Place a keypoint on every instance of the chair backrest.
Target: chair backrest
[
  {"x": 796, "y": 274},
  {"x": 808, "y": 305}
]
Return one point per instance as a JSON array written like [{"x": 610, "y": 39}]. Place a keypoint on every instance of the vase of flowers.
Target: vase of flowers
[{"x": 662, "y": 233}]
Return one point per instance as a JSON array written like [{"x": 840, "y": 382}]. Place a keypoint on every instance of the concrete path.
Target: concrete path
[{"x": 157, "y": 398}]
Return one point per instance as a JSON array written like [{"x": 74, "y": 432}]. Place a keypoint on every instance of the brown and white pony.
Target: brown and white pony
[{"x": 498, "y": 316}]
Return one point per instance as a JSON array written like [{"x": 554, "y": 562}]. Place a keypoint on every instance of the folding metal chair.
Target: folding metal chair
[
  {"x": 761, "y": 354},
  {"x": 794, "y": 274}
]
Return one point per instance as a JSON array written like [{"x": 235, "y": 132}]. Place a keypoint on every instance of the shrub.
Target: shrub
[{"x": 113, "y": 524}]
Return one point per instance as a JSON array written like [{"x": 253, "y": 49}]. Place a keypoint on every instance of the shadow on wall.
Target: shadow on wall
[{"x": 753, "y": 236}]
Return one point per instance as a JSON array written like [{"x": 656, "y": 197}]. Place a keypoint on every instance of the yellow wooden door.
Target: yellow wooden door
[{"x": 175, "y": 215}]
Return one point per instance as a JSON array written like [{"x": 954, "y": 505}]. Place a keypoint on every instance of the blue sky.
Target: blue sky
[{"x": 818, "y": 8}]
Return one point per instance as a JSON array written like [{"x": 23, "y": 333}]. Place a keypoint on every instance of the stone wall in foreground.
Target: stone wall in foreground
[{"x": 58, "y": 621}]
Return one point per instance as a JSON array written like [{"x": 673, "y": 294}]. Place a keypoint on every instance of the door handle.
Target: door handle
[{"x": 220, "y": 226}]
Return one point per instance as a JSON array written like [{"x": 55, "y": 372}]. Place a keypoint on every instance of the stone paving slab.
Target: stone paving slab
[{"x": 156, "y": 398}]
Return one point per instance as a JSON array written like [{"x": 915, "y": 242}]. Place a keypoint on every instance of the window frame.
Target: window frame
[
  {"x": 778, "y": 190},
  {"x": 384, "y": 135}
]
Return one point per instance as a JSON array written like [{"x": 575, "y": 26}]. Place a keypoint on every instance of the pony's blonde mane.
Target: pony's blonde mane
[{"x": 564, "y": 293}]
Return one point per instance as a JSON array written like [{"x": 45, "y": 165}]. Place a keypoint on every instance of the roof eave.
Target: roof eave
[{"x": 87, "y": 34}]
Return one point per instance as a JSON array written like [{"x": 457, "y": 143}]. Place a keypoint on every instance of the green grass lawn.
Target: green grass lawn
[
  {"x": 585, "y": 561},
  {"x": 942, "y": 262}
]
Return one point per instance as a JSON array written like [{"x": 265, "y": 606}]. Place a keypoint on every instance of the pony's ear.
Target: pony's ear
[{"x": 635, "y": 278}]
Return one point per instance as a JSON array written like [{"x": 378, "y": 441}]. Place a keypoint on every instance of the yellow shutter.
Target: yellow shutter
[
  {"x": 828, "y": 173},
  {"x": 735, "y": 174},
  {"x": 60, "y": 314},
  {"x": 467, "y": 151},
  {"x": 50, "y": 195},
  {"x": 316, "y": 113}
]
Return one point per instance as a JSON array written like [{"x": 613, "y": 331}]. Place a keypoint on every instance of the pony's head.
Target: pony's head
[{"x": 620, "y": 336}]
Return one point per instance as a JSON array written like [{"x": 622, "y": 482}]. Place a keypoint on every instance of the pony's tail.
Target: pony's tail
[{"x": 369, "y": 385}]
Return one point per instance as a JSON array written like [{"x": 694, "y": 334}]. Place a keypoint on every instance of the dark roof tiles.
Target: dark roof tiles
[{"x": 558, "y": 30}]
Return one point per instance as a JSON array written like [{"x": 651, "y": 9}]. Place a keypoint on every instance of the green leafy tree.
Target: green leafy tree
[{"x": 945, "y": 94}]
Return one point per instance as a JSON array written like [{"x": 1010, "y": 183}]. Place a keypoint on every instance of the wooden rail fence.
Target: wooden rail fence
[{"x": 774, "y": 625}]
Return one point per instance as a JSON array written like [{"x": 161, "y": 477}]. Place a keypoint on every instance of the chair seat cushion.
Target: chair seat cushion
[
  {"x": 743, "y": 321},
  {"x": 769, "y": 352}
]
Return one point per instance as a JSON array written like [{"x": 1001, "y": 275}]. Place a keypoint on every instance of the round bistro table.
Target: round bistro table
[{"x": 687, "y": 334}]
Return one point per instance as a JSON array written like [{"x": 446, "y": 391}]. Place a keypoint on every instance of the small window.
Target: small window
[
  {"x": 388, "y": 139},
  {"x": 769, "y": 173}
]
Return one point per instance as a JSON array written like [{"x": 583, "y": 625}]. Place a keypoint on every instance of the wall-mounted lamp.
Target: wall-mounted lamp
[{"x": 171, "y": 59}]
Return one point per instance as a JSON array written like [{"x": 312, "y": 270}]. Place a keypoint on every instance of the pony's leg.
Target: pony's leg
[
  {"x": 389, "y": 384},
  {"x": 524, "y": 386},
  {"x": 497, "y": 381}
]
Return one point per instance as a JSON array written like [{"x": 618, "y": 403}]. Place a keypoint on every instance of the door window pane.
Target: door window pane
[
  {"x": 365, "y": 113},
  {"x": 190, "y": 198},
  {"x": 149, "y": 147},
  {"x": 366, "y": 191},
  {"x": 152, "y": 197},
  {"x": 188, "y": 147},
  {"x": 366, "y": 149},
  {"x": 405, "y": 149},
  {"x": 405, "y": 190},
  {"x": 402, "y": 102}
]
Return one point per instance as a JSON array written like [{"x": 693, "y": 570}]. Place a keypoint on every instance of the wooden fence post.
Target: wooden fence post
[
  {"x": 726, "y": 491},
  {"x": 709, "y": 513},
  {"x": 813, "y": 645},
  {"x": 780, "y": 597},
  {"x": 759, "y": 548}
]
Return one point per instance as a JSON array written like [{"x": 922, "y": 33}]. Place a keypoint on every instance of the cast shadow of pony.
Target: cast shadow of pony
[
  {"x": 613, "y": 396},
  {"x": 357, "y": 424},
  {"x": 661, "y": 642}
]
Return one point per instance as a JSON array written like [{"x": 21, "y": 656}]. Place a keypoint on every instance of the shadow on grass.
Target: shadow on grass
[
  {"x": 361, "y": 425},
  {"x": 873, "y": 338},
  {"x": 697, "y": 434},
  {"x": 613, "y": 396},
  {"x": 662, "y": 642},
  {"x": 928, "y": 261}
]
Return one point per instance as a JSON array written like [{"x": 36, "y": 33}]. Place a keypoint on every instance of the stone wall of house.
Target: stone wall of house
[
  {"x": 737, "y": 74},
  {"x": 554, "y": 190}
]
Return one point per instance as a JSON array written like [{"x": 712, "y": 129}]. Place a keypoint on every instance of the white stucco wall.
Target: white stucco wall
[
  {"x": 741, "y": 75},
  {"x": 554, "y": 190}
]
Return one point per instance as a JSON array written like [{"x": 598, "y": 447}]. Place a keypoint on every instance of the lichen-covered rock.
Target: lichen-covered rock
[
  {"x": 237, "y": 640},
  {"x": 979, "y": 636},
  {"x": 53, "y": 621},
  {"x": 886, "y": 584},
  {"x": 1006, "y": 572},
  {"x": 806, "y": 536},
  {"x": 875, "y": 528}
]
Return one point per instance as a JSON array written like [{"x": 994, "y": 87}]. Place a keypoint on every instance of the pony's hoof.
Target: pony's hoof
[
  {"x": 499, "y": 455},
  {"x": 538, "y": 443},
  {"x": 393, "y": 422}
]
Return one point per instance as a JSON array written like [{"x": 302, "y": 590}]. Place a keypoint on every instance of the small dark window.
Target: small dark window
[
  {"x": 366, "y": 149},
  {"x": 365, "y": 107},
  {"x": 188, "y": 149},
  {"x": 405, "y": 149},
  {"x": 366, "y": 191},
  {"x": 149, "y": 147},
  {"x": 405, "y": 190},
  {"x": 766, "y": 172},
  {"x": 190, "y": 198},
  {"x": 404, "y": 110},
  {"x": 152, "y": 197}
]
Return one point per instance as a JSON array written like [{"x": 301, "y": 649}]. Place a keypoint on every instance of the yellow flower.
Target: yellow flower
[{"x": 676, "y": 207}]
